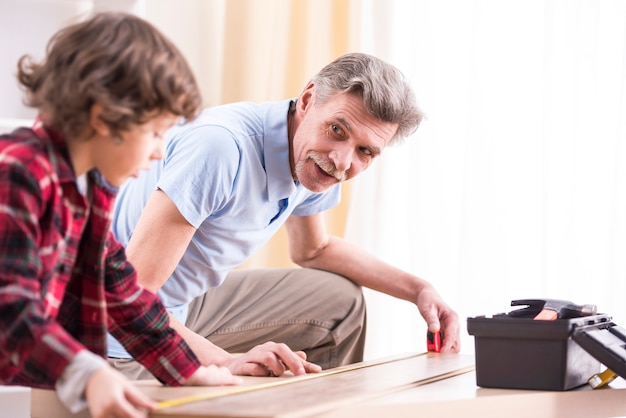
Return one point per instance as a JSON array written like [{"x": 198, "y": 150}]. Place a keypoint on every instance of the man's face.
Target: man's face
[{"x": 336, "y": 140}]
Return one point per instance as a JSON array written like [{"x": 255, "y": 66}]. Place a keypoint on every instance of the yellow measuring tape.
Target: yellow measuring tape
[{"x": 279, "y": 382}]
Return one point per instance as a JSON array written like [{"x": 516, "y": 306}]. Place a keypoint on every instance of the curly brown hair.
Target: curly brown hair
[{"x": 117, "y": 60}]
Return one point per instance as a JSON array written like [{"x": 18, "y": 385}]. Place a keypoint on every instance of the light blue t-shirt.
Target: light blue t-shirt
[{"x": 228, "y": 173}]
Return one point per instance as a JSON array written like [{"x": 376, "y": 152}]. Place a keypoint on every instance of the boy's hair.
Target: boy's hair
[
  {"x": 386, "y": 93},
  {"x": 117, "y": 60}
]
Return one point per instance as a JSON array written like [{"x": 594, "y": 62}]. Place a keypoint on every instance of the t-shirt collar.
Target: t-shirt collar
[{"x": 280, "y": 182}]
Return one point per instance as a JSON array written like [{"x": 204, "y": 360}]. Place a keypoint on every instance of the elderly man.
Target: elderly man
[{"x": 228, "y": 181}]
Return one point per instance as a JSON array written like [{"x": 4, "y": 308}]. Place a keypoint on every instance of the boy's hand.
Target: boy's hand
[
  {"x": 213, "y": 376},
  {"x": 111, "y": 394}
]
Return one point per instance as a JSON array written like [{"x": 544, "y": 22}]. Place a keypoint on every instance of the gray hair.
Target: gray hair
[{"x": 386, "y": 93}]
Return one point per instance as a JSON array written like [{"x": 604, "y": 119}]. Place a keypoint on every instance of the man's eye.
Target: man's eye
[
  {"x": 366, "y": 151},
  {"x": 336, "y": 129}
]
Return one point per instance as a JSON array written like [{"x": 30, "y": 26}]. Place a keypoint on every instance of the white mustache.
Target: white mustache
[{"x": 327, "y": 166}]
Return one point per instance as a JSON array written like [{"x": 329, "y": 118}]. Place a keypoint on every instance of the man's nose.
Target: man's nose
[{"x": 342, "y": 158}]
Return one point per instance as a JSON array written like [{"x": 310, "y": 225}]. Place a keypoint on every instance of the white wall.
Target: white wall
[{"x": 25, "y": 28}]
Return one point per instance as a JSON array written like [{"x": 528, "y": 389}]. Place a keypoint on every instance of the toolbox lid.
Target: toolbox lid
[
  {"x": 507, "y": 326},
  {"x": 606, "y": 342}
]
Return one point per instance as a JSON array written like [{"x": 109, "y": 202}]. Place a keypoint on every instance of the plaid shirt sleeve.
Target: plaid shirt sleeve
[
  {"x": 141, "y": 324},
  {"x": 34, "y": 348}
]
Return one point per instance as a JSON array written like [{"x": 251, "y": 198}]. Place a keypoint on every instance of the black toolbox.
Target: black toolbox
[{"x": 515, "y": 351}]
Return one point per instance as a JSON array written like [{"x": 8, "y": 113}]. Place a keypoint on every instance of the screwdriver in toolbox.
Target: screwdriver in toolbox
[{"x": 599, "y": 380}]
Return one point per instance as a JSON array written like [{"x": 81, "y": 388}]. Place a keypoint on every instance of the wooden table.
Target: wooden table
[
  {"x": 460, "y": 397},
  {"x": 429, "y": 385}
]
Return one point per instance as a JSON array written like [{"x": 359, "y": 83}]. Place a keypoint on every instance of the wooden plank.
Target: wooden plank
[
  {"x": 310, "y": 396},
  {"x": 354, "y": 396},
  {"x": 288, "y": 396},
  {"x": 603, "y": 403},
  {"x": 45, "y": 404},
  {"x": 266, "y": 383}
]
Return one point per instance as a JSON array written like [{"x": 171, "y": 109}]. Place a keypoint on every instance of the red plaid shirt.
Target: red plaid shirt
[{"x": 64, "y": 279}]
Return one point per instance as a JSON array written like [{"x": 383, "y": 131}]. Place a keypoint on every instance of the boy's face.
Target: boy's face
[
  {"x": 140, "y": 144},
  {"x": 336, "y": 140}
]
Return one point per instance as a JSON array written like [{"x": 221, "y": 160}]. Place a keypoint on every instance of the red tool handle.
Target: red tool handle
[{"x": 433, "y": 341}]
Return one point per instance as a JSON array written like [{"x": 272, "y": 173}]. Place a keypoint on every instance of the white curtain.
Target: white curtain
[{"x": 515, "y": 185}]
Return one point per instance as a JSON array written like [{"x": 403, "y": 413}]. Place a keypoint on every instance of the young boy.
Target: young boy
[{"x": 106, "y": 92}]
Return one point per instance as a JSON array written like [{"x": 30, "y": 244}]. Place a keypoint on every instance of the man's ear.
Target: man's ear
[
  {"x": 307, "y": 98},
  {"x": 95, "y": 121}
]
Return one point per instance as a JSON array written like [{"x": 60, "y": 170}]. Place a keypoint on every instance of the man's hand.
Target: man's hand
[
  {"x": 439, "y": 316},
  {"x": 271, "y": 359},
  {"x": 110, "y": 394}
]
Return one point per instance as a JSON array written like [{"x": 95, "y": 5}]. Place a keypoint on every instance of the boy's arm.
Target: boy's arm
[
  {"x": 34, "y": 348},
  {"x": 138, "y": 320}
]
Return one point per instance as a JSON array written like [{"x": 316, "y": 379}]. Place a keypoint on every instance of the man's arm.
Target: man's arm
[
  {"x": 156, "y": 246},
  {"x": 311, "y": 246},
  {"x": 159, "y": 241}
]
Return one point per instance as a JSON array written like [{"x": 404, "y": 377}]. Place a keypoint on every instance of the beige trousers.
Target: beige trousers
[{"x": 320, "y": 313}]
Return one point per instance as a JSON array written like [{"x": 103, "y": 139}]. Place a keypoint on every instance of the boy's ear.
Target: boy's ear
[{"x": 96, "y": 122}]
